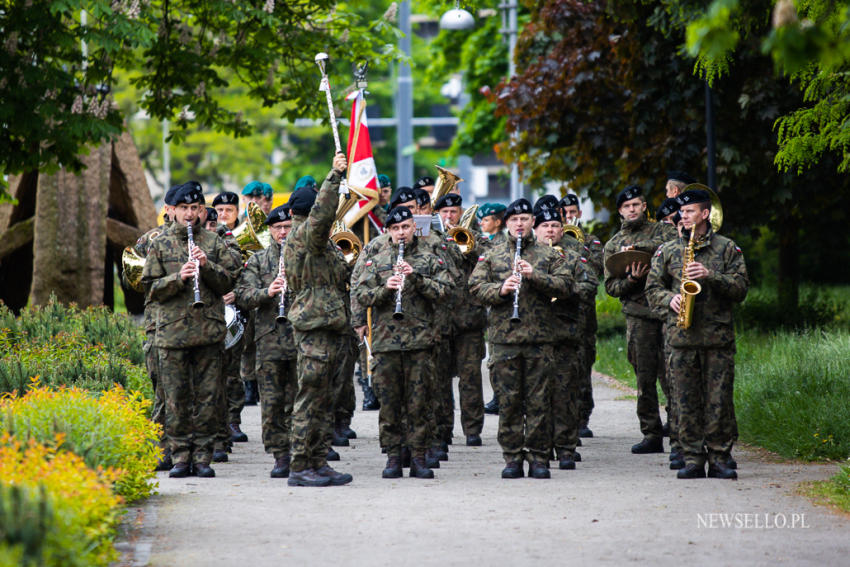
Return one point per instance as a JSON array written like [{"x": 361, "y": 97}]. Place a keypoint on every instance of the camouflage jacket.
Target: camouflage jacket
[
  {"x": 178, "y": 324},
  {"x": 446, "y": 250},
  {"x": 568, "y": 312},
  {"x": 358, "y": 311},
  {"x": 646, "y": 237},
  {"x": 594, "y": 252},
  {"x": 494, "y": 239},
  {"x": 421, "y": 296},
  {"x": 712, "y": 323},
  {"x": 552, "y": 278},
  {"x": 141, "y": 247},
  {"x": 312, "y": 268},
  {"x": 274, "y": 340}
]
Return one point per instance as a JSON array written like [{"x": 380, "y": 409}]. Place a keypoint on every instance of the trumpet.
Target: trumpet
[
  {"x": 348, "y": 242},
  {"x": 281, "y": 308},
  {"x": 398, "y": 314},
  {"x": 196, "y": 289},
  {"x": 517, "y": 257}
]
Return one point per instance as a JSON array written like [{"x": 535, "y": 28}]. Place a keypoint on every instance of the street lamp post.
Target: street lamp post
[{"x": 509, "y": 28}]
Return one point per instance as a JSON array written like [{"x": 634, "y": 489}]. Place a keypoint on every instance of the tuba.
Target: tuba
[
  {"x": 446, "y": 181},
  {"x": 253, "y": 234},
  {"x": 133, "y": 264},
  {"x": 347, "y": 241},
  {"x": 463, "y": 236}
]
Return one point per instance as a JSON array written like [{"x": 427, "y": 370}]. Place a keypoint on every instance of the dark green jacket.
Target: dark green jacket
[
  {"x": 178, "y": 324},
  {"x": 423, "y": 291},
  {"x": 644, "y": 236},
  {"x": 712, "y": 322},
  {"x": 552, "y": 278},
  {"x": 312, "y": 270},
  {"x": 274, "y": 340},
  {"x": 141, "y": 247}
]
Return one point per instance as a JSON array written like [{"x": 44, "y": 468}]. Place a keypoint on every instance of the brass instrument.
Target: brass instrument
[
  {"x": 446, "y": 181},
  {"x": 517, "y": 257},
  {"x": 398, "y": 314},
  {"x": 133, "y": 264},
  {"x": 716, "y": 217},
  {"x": 347, "y": 241},
  {"x": 196, "y": 289},
  {"x": 281, "y": 308},
  {"x": 463, "y": 236},
  {"x": 574, "y": 230},
  {"x": 688, "y": 288},
  {"x": 253, "y": 234}
]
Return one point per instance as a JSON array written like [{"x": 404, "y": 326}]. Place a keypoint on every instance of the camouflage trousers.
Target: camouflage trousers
[
  {"x": 343, "y": 383},
  {"x": 401, "y": 382},
  {"x": 248, "y": 360},
  {"x": 645, "y": 346},
  {"x": 521, "y": 376},
  {"x": 152, "y": 365},
  {"x": 444, "y": 359},
  {"x": 469, "y": 350},
  {"x": 277, "y": 380},
  {"x": 565, "y": 398},
  {"x": 704, "y": 384},
  {"x": 231, "y": 397},
  {"x": 672, "y": 397},
  {"x": 587, "y": 356},
  {"x": 191, "y": 379},
  {"x": 319, "y": 356}
]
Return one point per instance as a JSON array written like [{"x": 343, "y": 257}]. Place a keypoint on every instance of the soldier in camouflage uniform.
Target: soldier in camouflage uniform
[
  {"x": 492, "y": 226},
  {"x": 188, "y": 337},
  {"x": 342, "y": 384},
  {"x": 568, "y": 362},
  {"x": 644, "y": 337},
  {"x": 259, "y": 287},
  {"x": 522, "y": 355},
  {"x": 402, "y": 347},
  {"x": 470, "y": 319},
  {"x": 593, "y": 252},
  {"x": 702, "y": 357},
  {"x": 321, "y": 325}
]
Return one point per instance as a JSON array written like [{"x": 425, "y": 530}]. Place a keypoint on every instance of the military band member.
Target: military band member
[
  {"x": 644, "y": 337},
  {"x": 258, "y": 193},
  {"x": 211, "y": 221},
  {"x": 260, "y": 287},
  {"x": 402, "y": 346},
  {"x": 568, "y": 362},
  {"x": 593, "y": 252},
  {"x": 226, "y": 204},
  {"x": 189, "y": 338},
  {"x": 522, "y": 350},
  {"x": 676, "y": 181},
  {"x": 320, "y": 322},
  {"x": 702, "y": 356},
  {"x": 490, "y": 219},
  {"x": 668, "y": 212},
  {"x": 426, "y": 183}
]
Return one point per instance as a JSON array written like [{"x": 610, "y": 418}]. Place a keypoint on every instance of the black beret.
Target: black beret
[
  {"x": 545, "y": 215},
  {"x": 520, "y": 206},
  {"x": 681, "y": 176},
  {"x": 569, "y": 200},
  {"x": 629, "y": 193},
  {"x": 545, "y": 202},
  {"x": 422, "y": 197},
  {"x": 403, "y": 195},
  {"x": 278, "y": 214},
  {"x": 693, "y": 197},
  {"x": 211, "y": 215},
  {"x": 398, "y": 214},
  {"x": 667, "y": 208},
  {"x": 189, "y": 192},
  {"x": 302, "y": 201},
  {"x": 226, "y": 198},
  {"x": 203, "y": 200},
  {"x": 448, "y": 200},
  {"x": 169, "y": 195},
  {"x": 424, "y": 182}
]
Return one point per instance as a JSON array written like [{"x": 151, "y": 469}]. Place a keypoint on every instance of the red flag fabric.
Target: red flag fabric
[{"x": 362, "y": 174}]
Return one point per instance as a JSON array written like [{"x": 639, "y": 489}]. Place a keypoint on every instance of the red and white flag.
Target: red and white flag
[{"x": 362, "y": 174}]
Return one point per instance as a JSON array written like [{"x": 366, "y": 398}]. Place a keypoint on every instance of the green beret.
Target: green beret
[{"x": 488, "y": 209}]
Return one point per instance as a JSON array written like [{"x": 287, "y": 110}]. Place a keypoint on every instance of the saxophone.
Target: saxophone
[{"x": 688, "y": 288}]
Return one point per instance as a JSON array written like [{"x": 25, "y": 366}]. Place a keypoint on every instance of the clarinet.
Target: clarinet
[
  {"x": 398, "y": 315},
  {"x": 517, "y": 273},
  {"x": 281, "y": 309},
  {"x": 195, "y": 283}
]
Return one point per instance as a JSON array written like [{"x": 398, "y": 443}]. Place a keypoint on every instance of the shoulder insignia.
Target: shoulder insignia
[
  {"x": 658, "y": 252},
  {"x": 443, "y": 246},
  {"x": 597, "y": 242},
  {"x": 738, "y": 249},
  {"x": 450, "y": 239},
  {"x": 368, "y": 262},
  {"x": 481, "y": 258}
]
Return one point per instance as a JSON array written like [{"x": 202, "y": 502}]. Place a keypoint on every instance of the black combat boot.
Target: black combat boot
[
  {"x": 252, "y": 396},
  {"x": 164, "y": 463},
  {"x": 307, "y": 477},
  {"x": 281, "y": 467},
  {"x": 731, "y": 463},
  {"x": 577, "y": 456},
  {"x": 337, "y": 478},
  {"x": 721, "y": 470},
  {"x": 473, "y": 440},
  {"x": 393, "y": 468},
  {"x": 677, "y": 460},
  {"x": 418, "y": 468},
  {"x": 566, "y": 462},
  {"x": 203, "y": 470},
  {"x": 691, "y": 471},
  {"x": 513, "y": 470},
  {"x": 220, "y": 456},
  {"x": 585, "y": 432},
  {"x": 431, "y": 460},
  {"x": 538, "y": 469},
  {"x": 370, "y": 401},
  {"x": 180, "y": 470},
  {"x": 338, "y": 439},
  {"x": 332, "y": 455},
  {"x": 236, "y": 434},
  {"x": 492, "y": 407},
  {"x": 648, "y": 446}
]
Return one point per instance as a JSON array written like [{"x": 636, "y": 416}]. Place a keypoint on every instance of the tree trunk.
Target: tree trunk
[{"x": 789, "y": 265}]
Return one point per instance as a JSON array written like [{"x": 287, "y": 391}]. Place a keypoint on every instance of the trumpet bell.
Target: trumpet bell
[
  {"x": 349, "y": 244},
  {"x": 464, "y": 239},
  {"x": 133, "y": 264}
]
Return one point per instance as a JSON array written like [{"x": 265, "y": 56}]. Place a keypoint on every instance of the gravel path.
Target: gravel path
[{"x": 615, "y": 508}]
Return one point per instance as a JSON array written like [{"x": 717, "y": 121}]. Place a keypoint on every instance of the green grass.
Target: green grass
[{"x": 832, "y": 492}]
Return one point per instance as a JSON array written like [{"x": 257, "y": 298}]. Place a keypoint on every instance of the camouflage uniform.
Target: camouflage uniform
[
  {"x": 522, "y": 355},
  {"x": 342, "y": 382},
  {"x": 702, "y": 357},
  {"x": 644, "y": 337},
  {"x": 402, "y": 365},
  {"x": 587, "y": 346},
  {"x": 275, "y": 347},
  {"x": 321, "y": 323},
  {"x": 188, "y": 338}
]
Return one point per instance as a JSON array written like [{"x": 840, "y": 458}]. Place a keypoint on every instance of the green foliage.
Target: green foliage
[
  {"x": 712, "y": 38},
  {"x": 835, "y": 491},
  {"x": 792, "y": 395},
  {"x": 26, "y": 520},
  {"x": 760, "y": 312}
]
